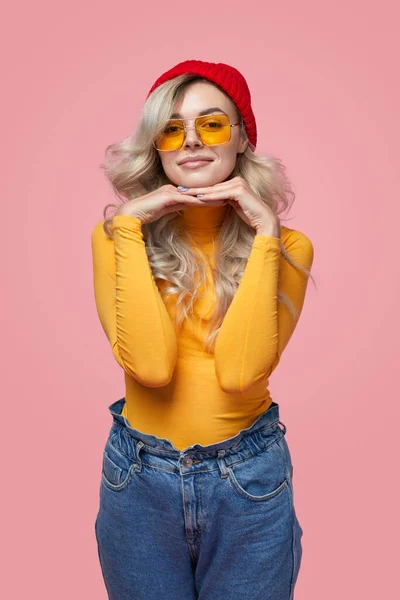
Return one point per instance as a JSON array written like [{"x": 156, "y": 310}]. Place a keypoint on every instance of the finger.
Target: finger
[
  {"x": 216, "y": 195},
  {"x": 187, "y": 199},
  {"x": 174, "y": 208},
  {"x": 215, "y": 202}
]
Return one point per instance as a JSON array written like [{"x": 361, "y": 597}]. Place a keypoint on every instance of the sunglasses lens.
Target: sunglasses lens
[
  {"x": 172, "y": 136},
  {"x": 211, "y": 129},
  {"x": 214, "y": 129}
]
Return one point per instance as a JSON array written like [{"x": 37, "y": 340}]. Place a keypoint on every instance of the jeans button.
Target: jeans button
[{"x": 187, "y": 462}]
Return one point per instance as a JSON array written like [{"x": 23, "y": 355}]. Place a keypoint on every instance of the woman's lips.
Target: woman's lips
[{"x": 194, "y": 164}]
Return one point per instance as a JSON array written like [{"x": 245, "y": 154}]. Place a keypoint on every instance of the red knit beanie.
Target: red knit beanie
[{"x": 229, "y": 79}]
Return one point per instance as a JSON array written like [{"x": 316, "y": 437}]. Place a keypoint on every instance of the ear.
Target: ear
[{"x": 243, "y": 146}]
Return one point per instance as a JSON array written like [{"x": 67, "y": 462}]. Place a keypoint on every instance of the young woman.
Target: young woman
[{"x": 198, "y": 288}]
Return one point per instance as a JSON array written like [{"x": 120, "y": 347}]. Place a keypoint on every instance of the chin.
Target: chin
[
  {"x": 197, "y": 178},
  {"x": 200, "y": 180}
]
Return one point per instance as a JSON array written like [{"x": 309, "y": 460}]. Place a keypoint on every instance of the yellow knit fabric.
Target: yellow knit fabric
[{"x": 173, "y": 388}]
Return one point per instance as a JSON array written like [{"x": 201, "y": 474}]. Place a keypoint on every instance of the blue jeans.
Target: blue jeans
[{"x": 212, "y": 522}]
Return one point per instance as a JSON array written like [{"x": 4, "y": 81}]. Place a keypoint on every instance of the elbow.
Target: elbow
[
  {"x": 237, "y": 387},
  {"x": 150, "y": 377},
  {"x": 228, "y": 387},
  {"x": 231, "y": 388},
  {"x": 150, "y": 373},
  {"x": 154, "y": 380},
  {"x": 233, "y": 382}
]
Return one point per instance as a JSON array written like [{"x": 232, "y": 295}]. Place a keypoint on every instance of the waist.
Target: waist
[
  {"x": 264, "y": 424},
  {"x": 192, "y": 409}
]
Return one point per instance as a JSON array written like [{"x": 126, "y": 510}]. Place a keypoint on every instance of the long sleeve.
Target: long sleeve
[
  {"x": 131, "y": 310},
  {"x": 256, "y": 328}
]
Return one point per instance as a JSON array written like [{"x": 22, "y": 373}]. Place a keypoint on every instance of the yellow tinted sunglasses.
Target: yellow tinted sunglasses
[{"x": 212, "y": 130}]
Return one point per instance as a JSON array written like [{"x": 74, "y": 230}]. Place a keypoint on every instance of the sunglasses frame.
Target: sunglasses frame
[{"x": 198, "y": 135}]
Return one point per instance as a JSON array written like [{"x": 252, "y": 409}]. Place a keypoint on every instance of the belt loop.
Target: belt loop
[
  {"x": 284, "y": 427},
  {"x": 138, "y": 466},
  {"x": 222, "y": 463}
]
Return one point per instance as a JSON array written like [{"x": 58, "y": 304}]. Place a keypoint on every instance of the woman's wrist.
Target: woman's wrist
[
  {"x": 122, "y": 213},
  {"x": 270, "y": 230}
]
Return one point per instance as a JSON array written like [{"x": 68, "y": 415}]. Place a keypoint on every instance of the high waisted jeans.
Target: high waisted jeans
[{"x": 212, "y": 522}]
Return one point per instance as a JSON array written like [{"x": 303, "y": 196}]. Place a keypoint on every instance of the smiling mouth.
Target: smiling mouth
[{"x": 193, "y": 164}]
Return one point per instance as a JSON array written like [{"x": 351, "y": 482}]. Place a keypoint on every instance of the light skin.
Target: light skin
[{"x": 211, "y": 179}]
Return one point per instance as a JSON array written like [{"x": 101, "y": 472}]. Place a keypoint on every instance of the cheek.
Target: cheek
[
  {"x": 228, "y": 153},
  {"x": 169, "y": 160},
  {"x": 168, "y": 163},
  {"x": 227, "y": 158},
  {"x": 171, "y": 169}
]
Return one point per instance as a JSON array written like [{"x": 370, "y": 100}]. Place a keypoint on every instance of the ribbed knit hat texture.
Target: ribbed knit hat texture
[{"x": 229, "y": 79}]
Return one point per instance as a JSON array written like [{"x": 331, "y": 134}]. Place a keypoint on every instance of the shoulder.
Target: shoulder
[
  {"x": 297, "y": 244},
  {"x": 98, "y": 232},
  {"x": 291, "y": 237}
]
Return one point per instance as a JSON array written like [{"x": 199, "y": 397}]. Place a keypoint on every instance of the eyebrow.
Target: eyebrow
[{"x": 207, "y": 111}]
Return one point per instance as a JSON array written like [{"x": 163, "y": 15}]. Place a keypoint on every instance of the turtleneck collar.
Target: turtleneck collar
[{"x": 203, "y": 219}]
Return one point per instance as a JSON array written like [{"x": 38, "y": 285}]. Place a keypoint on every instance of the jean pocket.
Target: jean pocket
[
  {"x": 261, "y": 477},
  {"x": 117, "y": 468}
]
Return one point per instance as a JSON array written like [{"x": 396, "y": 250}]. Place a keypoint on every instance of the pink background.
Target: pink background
[{"x": 324, "y": 82}]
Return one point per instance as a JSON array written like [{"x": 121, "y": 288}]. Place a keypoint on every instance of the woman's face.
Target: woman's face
[{"x": 199, "y": 97}]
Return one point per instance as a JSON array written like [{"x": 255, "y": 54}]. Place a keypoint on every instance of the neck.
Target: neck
[{"x": 203, "y": 219}]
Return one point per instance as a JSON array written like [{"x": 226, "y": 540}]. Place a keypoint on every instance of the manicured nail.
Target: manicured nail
[
  {"x": 200, "y": 195},
  {"x": 182, "y": 188}
]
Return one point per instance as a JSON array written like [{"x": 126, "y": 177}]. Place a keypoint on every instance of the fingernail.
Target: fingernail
[
  {"x": 200, "y": 195},
  {"x": 182, "y": 188}
]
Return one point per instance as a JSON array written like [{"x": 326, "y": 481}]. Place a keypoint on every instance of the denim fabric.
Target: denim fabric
[{"x": 213, "y": 522}]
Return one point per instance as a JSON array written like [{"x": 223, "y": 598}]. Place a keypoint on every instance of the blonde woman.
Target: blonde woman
[{"x": 198, "y": 288}]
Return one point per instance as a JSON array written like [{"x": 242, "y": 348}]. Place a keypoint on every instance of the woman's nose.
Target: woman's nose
[{"x": 192, "y": 138}]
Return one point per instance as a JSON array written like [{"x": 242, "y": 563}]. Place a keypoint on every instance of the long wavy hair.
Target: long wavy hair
[{"x": 133, "y": 168}]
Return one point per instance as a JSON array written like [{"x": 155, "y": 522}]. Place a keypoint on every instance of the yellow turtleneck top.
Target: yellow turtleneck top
[{"x": 173, "y": 388}]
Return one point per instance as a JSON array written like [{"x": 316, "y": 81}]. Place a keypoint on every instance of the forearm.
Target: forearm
[
  {"x": 248, "y": 338},
  {"x": 257, "y": 328},
  {"x": 145, "y": 333},
  {"x": 129, "y": 304}
]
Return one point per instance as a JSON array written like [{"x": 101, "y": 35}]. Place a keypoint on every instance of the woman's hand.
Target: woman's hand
[
  {"x": 246, "y": 203},
  {"x": 152, "y": 206}
]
